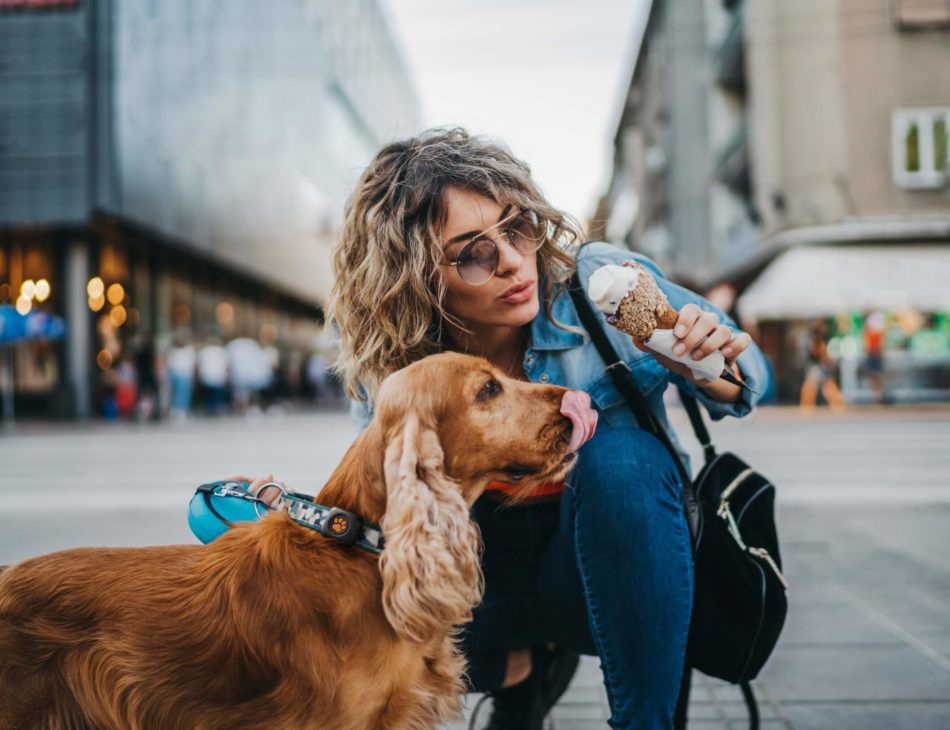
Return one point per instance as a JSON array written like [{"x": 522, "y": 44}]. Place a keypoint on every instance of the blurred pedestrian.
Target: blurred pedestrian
[
  {"x": 180, "y": 365},
  {"x": 213, "y": 375},
  {"x": 820, "y": 372},
  {"x": 271, "y": 385},
  {"x": 292, "y": 372},
  {"x": 246, "y": 369},
  {"x": 146, "y": 372},
  {"x": 317, "y": 367},
  {"x": 107, "y": 396},
  {"x": 874, "y": 327},
  {"x": 126, "y": 386}
]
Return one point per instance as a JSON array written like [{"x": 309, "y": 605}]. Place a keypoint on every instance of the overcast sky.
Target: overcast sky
[{"x": 545, "y": 76}]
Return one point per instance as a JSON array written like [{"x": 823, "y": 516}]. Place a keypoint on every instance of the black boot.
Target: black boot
[{"x": 525, "y": 705}]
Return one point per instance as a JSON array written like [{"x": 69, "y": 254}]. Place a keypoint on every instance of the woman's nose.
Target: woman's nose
[{"x": 509, "y": 259}]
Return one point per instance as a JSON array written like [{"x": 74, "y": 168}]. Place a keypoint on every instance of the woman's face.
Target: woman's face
[{"x": 507, "y": 299}]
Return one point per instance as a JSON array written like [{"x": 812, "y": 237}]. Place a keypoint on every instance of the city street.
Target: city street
[{"x": 864, "y": 509}]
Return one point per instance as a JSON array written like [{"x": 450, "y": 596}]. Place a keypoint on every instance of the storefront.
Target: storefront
[
  {"x": 30, "y": 279},
  {"x": 882, "y": 312},
  {"x": 141, "y": 292},
  {"x": 146, "y": 292}
]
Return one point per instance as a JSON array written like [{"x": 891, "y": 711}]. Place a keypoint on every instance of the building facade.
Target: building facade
[
  {"x": 181, "y": 168},
  {"x": 791, "y": 158}
]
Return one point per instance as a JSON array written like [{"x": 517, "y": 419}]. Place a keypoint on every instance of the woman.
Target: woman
[{"x": 449, "y": 245}]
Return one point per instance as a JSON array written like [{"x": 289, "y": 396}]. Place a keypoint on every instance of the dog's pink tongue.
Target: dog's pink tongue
[{"x": 576, "y": 405}]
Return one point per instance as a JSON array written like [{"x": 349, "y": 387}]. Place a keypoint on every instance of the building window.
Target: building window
[
  {"x": 919, "y": 143},
  {"x": 920, "y": 14}
]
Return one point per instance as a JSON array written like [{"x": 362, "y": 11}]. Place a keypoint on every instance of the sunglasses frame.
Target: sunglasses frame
[{"x": 491, "y": 239}]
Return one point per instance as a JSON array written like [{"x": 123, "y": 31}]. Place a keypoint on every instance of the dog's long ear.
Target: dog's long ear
[{"x": 430, "y": 565}]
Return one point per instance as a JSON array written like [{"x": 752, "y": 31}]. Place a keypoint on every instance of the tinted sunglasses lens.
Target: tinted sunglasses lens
[
  {"x": 525, "y": 232},
  {"x": 477, "y": 261}
]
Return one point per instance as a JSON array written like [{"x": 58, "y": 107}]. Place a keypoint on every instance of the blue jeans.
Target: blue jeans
[
  {"x": 182, "y": 384},
  {"x": 607, "y": 571}
]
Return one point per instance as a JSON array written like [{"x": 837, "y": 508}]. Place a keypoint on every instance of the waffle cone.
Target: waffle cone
[{"x": 645, "y": 309}]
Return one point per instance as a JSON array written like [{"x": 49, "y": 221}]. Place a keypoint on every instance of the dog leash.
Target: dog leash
[{"x": 341, "y": 525}]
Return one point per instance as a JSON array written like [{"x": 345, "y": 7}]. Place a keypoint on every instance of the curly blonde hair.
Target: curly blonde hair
[{"x": 387, "y": 298}]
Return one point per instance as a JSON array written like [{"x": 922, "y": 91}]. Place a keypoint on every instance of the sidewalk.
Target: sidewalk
[
  {"x": 863, "y": 513},
  {"x": 867, "y": 641}
]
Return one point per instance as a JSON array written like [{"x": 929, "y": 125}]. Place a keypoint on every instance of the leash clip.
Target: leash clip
[{"x": 259, "y": 501}]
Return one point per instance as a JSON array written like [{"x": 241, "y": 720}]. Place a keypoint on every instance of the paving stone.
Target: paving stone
[
  {"x": 763, "y": 725},
  {"x": 705, "y": 711},
  {"x": 868, "y": 715},
  {"x": 939, "y": 642},
  {"x": 738, "y": 711},
  {"x": 832, "y": 623},
  {"x": 914, "y": 618},
  {"x": 856, "y": 673},
  {"x": 814, "y": 593},
  {"x": 581, "y": 711},
  {"x": 579, "y": 725},
  {"x": 725, "y": 692},
  {"x": 582, "y": 694},
  {"x": 699, "y": 691}
]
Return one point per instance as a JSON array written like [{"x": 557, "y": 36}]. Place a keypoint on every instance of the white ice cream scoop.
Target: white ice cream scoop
[{"x": 607, "y": 286}]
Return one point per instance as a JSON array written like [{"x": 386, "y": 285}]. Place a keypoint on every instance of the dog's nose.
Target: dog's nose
[{"x": 576, "y": 406}]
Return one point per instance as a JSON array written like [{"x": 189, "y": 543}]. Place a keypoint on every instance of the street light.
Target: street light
[
  {"x": 42, "y": 290},
  {"x": 95, "y": 288}
]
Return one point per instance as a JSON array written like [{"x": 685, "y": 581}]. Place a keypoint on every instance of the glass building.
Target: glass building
[{"x": 172, "y": 168}]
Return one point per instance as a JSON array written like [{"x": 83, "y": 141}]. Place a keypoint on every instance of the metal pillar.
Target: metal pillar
[{"x": 78, "y": 334}]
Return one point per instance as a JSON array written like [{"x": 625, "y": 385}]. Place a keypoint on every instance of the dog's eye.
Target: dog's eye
[
  {"x": 517, "y": 472},
  {"x": 489, "y": 390}
]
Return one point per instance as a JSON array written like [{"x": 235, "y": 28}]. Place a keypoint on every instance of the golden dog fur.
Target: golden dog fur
[{"x": 274, "y": 625}]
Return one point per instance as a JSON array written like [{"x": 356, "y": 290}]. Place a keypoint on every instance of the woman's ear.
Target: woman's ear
[{"x": 430, "y": 566}]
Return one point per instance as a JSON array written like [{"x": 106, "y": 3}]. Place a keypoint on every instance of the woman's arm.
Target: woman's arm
[{"x": 719, "y": 397}]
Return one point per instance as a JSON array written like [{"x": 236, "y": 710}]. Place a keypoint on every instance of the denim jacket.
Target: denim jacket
[{"x": 559, "y": 357}]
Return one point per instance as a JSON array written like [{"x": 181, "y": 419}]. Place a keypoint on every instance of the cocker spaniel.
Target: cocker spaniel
[{"x": 274, "y": 625}]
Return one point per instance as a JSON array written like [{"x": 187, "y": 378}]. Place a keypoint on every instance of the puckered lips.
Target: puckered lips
[
  {"x": 575, "y": 405},
  {"x": 518, "y": 293}
]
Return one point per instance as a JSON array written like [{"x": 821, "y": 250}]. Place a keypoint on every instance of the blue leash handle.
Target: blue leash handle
[{"x": 218, "y": 505}]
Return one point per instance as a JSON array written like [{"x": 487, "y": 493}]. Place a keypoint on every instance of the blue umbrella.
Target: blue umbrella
[{"x": 35, "y": 325}]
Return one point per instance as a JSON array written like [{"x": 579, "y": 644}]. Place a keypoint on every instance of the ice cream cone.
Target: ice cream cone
[
  {"x": 641, "y": 316},
  {"x": 638, "y": 306}
]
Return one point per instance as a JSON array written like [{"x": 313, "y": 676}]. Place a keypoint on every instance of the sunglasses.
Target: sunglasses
[{"x": 477, "y": 261}]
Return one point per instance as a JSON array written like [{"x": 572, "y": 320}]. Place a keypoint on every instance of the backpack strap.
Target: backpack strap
[{"x": 699, "y": 425}]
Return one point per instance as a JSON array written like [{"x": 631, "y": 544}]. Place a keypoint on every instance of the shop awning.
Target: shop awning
[{"x": 821, "y": 281}]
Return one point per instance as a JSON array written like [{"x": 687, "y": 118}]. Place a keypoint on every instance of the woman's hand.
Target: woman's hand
[
  {"x": 701, "y": 333},
  {"x": 254, "y": 487}
]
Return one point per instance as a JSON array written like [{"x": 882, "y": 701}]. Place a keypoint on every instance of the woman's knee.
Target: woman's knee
[{"x": 619, "y": 460}]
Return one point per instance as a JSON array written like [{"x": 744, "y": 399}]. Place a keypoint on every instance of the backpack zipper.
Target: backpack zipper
[{"x": 764, "y": 555}]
